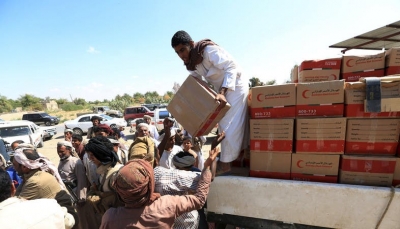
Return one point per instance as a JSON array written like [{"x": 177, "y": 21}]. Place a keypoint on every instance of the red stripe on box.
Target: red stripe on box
[
  {"x": 392, "y": 70},
  {"x": 319, "y": 110},
  {"x": 274, "y": 175},
  {"x": 367, "y": 166},
  {"x": 273, "y": 112},
  {"x": 325, "y": 64},
  {"x": 357, "y": 110},
  {"x": 355, "y": 76},
  {"x": 272, "y": 145},
  {"x": 323, "y": 146},
  {"x": 381, "y": 148},
  {"x": 315, "y": 178}
]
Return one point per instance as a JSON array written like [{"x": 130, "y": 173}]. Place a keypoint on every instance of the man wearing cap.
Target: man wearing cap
[
  {"x": 122, "y": 154},
  {"x": 167, "y": 147},
  {"x": 71, "y": 170},
  {"x": 145, "y": 208},
  {"x": 179, "y": 181},
  {"x": 152, "y": 128},
  {"x": 68, "y": 135},
  {"x": 143, "y": 146}
]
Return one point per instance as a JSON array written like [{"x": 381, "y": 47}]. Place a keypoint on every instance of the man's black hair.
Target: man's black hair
[
  {"x": 96, "y": 129},
  {"x": 180, "y": 37},
  {"x": 31, "y": 154},
  {"x": 184, "y": 154},
  {"x": 116, "y": 132},
  {"x": 187, "y": 138},
  {"x": 77, "y": 137},
  {"x": 139, "y": 120},
  {"x": 96, "y": 118},
  {"x": 5, "y": 185}
]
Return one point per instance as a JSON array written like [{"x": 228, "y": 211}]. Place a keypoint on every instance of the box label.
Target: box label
[{"x": 274, "y": 112}]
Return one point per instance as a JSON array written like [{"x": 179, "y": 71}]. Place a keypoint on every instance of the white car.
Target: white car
[
  {"x": 81, "y": 124},
  {"x": 26, "y": 131}
]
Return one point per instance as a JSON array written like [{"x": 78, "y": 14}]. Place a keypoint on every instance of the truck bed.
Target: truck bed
[{"x": 260, "y": 202}]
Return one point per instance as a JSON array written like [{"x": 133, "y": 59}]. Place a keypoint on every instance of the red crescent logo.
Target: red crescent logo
[
  {"x": 348, "y": 64},
  {"x": 249, "y": 97},
  {"x": 258, "y": 97},
  {"x": 298, "y": 164},
  {"x": 334, "y": 77},
  {"x": 304, "y": 94}
]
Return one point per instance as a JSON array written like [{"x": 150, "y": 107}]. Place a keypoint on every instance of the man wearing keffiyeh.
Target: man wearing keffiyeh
[{"x": 40, "y": 178}]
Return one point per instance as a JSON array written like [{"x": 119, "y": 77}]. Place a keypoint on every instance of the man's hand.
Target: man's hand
[
  {"x": 167, "y": 126},
  {"x": 211, "y": 158},
  {"x": 218, "y": 139},
  {"x": 221, "y": 98}
]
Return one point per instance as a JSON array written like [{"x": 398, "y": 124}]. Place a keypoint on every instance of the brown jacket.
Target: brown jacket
[{"x": 37, "y": 185}]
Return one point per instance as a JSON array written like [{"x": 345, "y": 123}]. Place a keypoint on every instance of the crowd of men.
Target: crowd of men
[{"x": 102, "y": 181}]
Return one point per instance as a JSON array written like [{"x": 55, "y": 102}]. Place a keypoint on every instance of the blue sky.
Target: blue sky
[{"x": 98, "y": 49}]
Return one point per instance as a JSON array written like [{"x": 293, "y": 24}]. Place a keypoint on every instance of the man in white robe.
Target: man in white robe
[{"x": 207, "y": 61}]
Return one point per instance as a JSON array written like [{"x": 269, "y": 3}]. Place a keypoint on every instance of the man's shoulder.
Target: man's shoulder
[{"x": 176, "y": 149}]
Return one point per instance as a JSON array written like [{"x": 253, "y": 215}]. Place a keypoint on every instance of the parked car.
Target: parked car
[
  {"x": 26, "y": 131},
  {"x": 49, "y": 132},
  {"x": 41, "y": 118},
  {"x": 154, "y": 106},
  {"x": 160, "y": 115},
  {"x": 81, "y": 124},
  {"x": 135, "y": 112},
  {"x": 107, "y": 111}
]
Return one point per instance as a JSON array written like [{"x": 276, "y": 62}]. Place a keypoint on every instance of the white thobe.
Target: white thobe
[{"x": 220, "y": 69}]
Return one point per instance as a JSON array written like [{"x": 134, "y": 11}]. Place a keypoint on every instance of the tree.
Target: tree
[
  {"x": 254, "y": 82},
  {"x": 61, "y": 101},
  {"x": 137, "y": 97},
  {"x": 79, "y": 101},
  {"x": 5, "y": 105},
  {"x": 126, "y": 97},
  {"x": 28, "y": 100},
  {"x": 271, "y": 82}
]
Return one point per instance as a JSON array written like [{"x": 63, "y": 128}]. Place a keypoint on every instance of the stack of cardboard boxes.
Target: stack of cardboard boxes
[
  {"x": 272, "y": 113},
  {"x": 338, "y": 131},
  {"x": 372, "y": 133}
]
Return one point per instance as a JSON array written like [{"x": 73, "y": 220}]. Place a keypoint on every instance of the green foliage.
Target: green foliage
[
  {"x": 5, "y": 105},
  {"x": 71, "y": 107},
  {"x": 254, "y": 82},
  {"x": 30, "y": 101},
  {"x": 79, "y": 101},
  {"x": 61, "y": 101},
  {"x": 271, "y": 82},
  {"x": 120, "y": 104}
]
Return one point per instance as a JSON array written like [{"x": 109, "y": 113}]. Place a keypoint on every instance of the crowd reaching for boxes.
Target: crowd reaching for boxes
[{"x": 154, "y": 182}]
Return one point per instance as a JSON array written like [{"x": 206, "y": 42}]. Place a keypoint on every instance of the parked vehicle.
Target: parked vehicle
[
  {"x": 26, "y": 131},
  {"x": 107, "y": 111},
  {"x": 154, "y": 106},
  {"x": 81, "y": 124},
  {"x": 135, "y": 112},
  {"x": 49, "y": 132},
  {"x": 160, "y": 115},
  {"x": 41, "y": 118},
  {"x": 4, "y": 149}
]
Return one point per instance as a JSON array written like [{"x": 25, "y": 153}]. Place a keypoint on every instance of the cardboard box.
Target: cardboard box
[
  {"x": 320, "y": 99},
  {"x": 271, "y": 135},
  {"x": 294, "y": 74},
  {"x": 396, "y": 174},
  {"x": 372, "y": 136},
  {"x": 356, "y": 67},
  {"x": 392, "y": 61},
  {"x": 354, "y": 100},
  {"x": 195, "y": 108},
  {"x": 274, "y": 101},
  {"x": 367, "y": 170},
  {"x": 320, "y": 135},
  {"x": 319, "y": 70},
  {"x": 311, "y": 167},
  {"x": 270, "y": 165}
]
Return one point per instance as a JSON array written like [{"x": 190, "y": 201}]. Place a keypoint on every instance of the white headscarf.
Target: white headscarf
[{"x": 42, "y": 163}]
